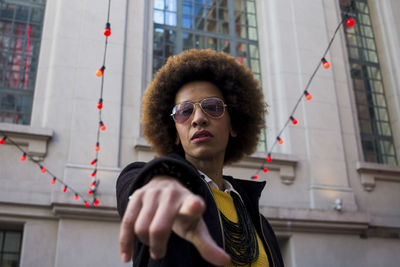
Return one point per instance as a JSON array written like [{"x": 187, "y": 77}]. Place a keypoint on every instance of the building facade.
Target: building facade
[{"x": 332, "y": 193}]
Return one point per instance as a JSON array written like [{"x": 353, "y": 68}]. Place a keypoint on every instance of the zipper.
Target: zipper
[{"x": 219, "y": 215}]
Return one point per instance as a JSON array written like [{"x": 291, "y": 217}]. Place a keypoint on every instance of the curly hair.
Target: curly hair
[{"x": 239, "y": 88}]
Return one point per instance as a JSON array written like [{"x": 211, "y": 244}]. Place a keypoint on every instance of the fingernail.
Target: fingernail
[{"x": 125, "y": 257}]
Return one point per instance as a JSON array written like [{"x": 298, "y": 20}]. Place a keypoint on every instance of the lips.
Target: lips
[{"x": 201, "y": 136}]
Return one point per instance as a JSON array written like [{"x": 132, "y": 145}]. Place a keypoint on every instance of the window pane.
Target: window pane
[
  {"x": 170, "y": 18},
  {"x": 158, "y": 17},
  {"x": 12, "y": 241},
  {"x": 9, "y": 260},
  {"x": 159, "y": 4},
  {"x": 251, "y": 8}
]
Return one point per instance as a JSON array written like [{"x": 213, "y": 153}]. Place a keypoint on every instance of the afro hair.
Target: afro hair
[{"x": 239, "y": 88}]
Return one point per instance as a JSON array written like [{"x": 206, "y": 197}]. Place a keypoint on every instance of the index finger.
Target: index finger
[
  {"x": 207, "y": 247},
  {"x": 126, "y": 233}
]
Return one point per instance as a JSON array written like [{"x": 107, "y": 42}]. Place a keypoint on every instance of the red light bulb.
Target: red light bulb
[
  {"x": 92, "y": 184},
  {"x": 269, "y": 158},
  {"x": 107, "y": 30},
  {"x": 43, "y": 169},
  {"x": 100, "y": 71},
  {"x": 94, "y": 173},
  {"x": 90, "y": 191},
  {"x": 294, "y": 121},
  {"x": 87, "y": 204},
  {"x": 280, "y": 140},
  {"x": 96, "y": 202},
  {"x": 76, "y": 197},
  {"x": 265, "y": 170},
  {"x": 3, "y": 140},
  {"x": 255, "y": 177},
  {"x": 97, "y": 147},
  {"x": 65, "y": 189},
  {"x": 23, "y": 157},
  {"x": 100, "y": 103},
  {"x": 102, "y": 126},
  {"x": 93, "y": 162},
  {"x": 53, "y": 181},
  {"x": 308, "y": 95},
  {"x": 350, "y": 22},
  {"x": 325, "y": 63}
]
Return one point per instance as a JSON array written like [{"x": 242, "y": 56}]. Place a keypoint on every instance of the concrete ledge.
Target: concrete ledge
[
  {"x": 35, "y": 139},
  {"x": 286, "y": 220},
  {"x": 81, "y": 212},
  {"x": 369, "y": 172}
]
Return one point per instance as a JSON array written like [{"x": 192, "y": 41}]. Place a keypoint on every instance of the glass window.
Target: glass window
[
  {"x": 375, "y": 129},
  {"x": 222, "y": 25},
  {"x": 20, "y": 36},
  {"x": 10, "y": 247}
]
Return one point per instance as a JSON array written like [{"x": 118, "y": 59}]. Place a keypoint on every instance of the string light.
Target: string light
[
  {"x": 96, "y": 202},
  {"x": 294, "y": 121},
  {"x": 102, "y": 126},
  {"x": 350, "y": 22},
  {"x": 265, "y": 170},
  {"x": 76, "y": 197},
  {"x": 3, "y": 140},
  {"x": 269, "y": 158},
  {"x": 42, "y": 169},
  {"x": 307, "y": 95},
  {"x": 255, "y": 176},
  {"x": 23, "y": 157},
  {"x": 107, "y": 30},
  {"x": 65, "y": 189},
  {"x": 280, "y": 140},
  {"x": 100, "y": 71},
  {"x": 90, "y": 192},
  {"x": 325, "y": 63},
  {"x": 97, "y": 147},
  {"x": 94, "y": 173},
  {"x": 87, "y": 204},
  {"x": 53, "y": 181},
  {"x": 93, "y": 162},
  {"x": 100, "y": 104}
]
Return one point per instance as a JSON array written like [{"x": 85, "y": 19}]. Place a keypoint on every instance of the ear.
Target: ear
[{"x": 233, "y": 133}]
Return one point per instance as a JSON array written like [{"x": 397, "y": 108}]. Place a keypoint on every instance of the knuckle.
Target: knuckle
[
  {"x": 158, "y": 232},
  {"x": 141, "y": 230}
]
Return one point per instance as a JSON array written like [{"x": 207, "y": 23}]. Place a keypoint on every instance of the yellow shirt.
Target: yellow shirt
[{"x": 226, "y": 206}]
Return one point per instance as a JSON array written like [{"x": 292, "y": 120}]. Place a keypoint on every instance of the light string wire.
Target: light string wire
[
  {"x": 95, "y": 181},
  {"x": 347, "y": 15},
  {"x": 54, "y": 177}
]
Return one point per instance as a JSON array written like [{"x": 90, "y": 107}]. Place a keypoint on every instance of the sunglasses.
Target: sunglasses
[{"x": 213, "y": 107}]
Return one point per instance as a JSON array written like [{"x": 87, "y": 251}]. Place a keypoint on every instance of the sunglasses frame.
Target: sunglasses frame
[{"x": 194, "y": 106}]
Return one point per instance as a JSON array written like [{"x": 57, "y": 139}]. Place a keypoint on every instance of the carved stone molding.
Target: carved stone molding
[
  {"x": 284, "y": 163},
  {"x": 35, "y": 139},
  {"x": 370, "y": 172}
]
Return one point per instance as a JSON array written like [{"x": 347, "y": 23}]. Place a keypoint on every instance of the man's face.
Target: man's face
[{"x": 202, "y": 136}]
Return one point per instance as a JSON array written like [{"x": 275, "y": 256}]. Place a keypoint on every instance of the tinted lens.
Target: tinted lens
[
  {"x": 213, "y": 107},
  {"x": 183, "y": 112}
]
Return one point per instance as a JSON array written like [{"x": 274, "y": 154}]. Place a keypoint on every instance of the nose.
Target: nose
[{"x": 199, "y": 117}]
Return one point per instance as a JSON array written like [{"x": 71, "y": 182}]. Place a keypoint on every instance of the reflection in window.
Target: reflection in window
[
  {"x": 373, "y": 116},
  {"x": 222, "y": 25},
  {"x": 20, "y": 35}
]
